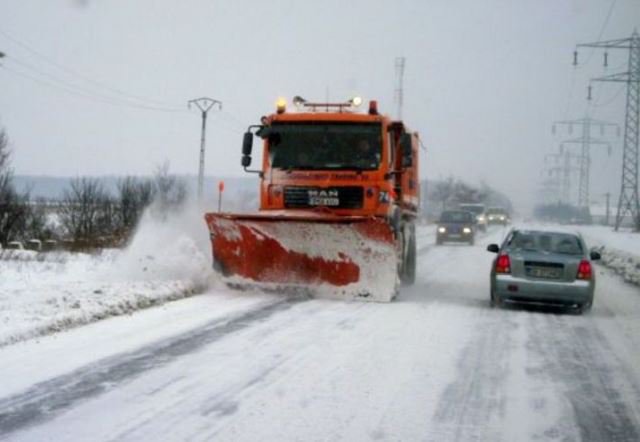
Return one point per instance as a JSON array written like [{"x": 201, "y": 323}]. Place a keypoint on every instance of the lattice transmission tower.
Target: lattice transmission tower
[{"x": 628, "y": 203}]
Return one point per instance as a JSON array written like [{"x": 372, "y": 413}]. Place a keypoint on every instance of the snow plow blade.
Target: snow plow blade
[{"x": 327, "y": 256}]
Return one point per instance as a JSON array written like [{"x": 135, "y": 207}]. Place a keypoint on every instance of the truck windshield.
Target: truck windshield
[{"x": 325, "y": 145}]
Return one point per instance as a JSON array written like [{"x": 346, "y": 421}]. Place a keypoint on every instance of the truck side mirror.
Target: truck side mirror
[
  {"x": 407, "y": 153},
  {"x": 247, "y": 144},
  {"x": 246, "y": 161}
]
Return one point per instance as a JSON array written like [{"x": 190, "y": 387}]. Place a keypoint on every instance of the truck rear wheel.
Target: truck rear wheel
[{"x": 409, "y": 266}]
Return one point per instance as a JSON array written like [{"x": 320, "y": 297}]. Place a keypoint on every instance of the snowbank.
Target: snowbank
[
  {"x": 623, "y": 263},
  {"x": 620, "y": 250},
  {"x": 41, "y": 293}
]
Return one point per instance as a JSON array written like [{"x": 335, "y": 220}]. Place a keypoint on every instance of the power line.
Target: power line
[
  {"x": 53, "y": 82},
  {"x": 82, "y": 77}
]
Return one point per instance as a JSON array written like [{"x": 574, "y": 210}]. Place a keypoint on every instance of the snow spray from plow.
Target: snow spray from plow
[{"x": 329, "y": 256}]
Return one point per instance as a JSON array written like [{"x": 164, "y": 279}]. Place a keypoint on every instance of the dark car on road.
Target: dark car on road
[
  {"x": 456, "y": 225},
  {"x": 478, "y": 211},
  {"x": 497, "y": 215},
  {"x": 543, "y": 267}
]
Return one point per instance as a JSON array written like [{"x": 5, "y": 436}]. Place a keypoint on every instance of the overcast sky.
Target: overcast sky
[{"x": 100, "y": 86}]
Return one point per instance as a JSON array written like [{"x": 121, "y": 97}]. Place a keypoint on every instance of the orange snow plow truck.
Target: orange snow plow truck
[{"x": 339, "y": 195}]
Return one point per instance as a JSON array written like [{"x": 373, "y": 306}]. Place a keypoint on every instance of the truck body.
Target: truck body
[{"x": 339, "y": 195}]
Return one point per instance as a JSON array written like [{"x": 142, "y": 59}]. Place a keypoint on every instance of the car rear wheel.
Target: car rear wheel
[
  {"x": 495, "y": 301},
  {"x": 585, "y": 308}
]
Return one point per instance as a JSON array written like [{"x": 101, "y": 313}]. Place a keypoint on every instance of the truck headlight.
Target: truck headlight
[
  {"x": 442, "y": 230},
  {"x": 383, "y": 197},
  {"x": 466, "y": 230}
]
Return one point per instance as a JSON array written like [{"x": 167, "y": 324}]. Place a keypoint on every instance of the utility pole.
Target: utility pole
[
  {"x": 608, "y": 195},
  {"x": 585, "y": 141},
  {"x": 628, "y": 202},
  {"x": 399, "y": 92},
  {"x": 204, "y": 104}
]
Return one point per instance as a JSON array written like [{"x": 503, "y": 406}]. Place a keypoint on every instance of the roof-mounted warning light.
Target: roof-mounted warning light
[
  {"x": 281, "y": 105},
  {"x": 373, "y": 107},
  {"x": 301, "y": 103}
]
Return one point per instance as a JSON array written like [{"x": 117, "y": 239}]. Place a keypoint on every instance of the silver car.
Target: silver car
[{"x": 543, "y": 267}]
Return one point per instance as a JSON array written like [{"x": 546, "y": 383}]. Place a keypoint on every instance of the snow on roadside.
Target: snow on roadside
[
  {"x": 45, "y": 293},
  {"x": 620, "y": 250}
]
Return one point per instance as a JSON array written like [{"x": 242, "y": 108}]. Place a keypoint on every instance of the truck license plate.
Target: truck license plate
[{"x": 323, "y": 201}]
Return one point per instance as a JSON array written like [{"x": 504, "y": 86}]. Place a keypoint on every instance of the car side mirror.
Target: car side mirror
[
  {"x": 595, "y": 255},
  {"x": 493, "y": 248}
]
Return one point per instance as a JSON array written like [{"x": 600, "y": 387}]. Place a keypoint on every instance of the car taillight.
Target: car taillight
[
  {"x": 503, "y": 264},
  {"x": 584, "y": 270}
]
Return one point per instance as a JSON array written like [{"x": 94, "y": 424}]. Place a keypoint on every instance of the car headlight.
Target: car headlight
[
  {"x": 480, "y": 218},
  {"x": 442, "y": 230},
  {"x": 502, "y": 218},
  {"x": 466, "y": 230}
]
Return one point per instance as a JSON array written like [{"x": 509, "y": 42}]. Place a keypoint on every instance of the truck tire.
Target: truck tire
[{"x": 409, "y": 266}]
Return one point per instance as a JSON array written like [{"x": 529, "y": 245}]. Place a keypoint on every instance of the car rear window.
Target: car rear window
[
  {"x": 546, "y": 242},
  {"x": 455, "y": 217}
]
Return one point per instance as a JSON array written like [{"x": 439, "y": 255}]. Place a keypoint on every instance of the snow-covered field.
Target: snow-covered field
[
  {"x": 437, "y": 364},
  {"x": 41, "y": 293}
]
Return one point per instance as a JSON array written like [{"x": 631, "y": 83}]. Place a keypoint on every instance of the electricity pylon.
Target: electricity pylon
[
  {"x": 628, "y": 202},
  {"x": 585, "y": 140},
  {"x": 562, "y": 173}
]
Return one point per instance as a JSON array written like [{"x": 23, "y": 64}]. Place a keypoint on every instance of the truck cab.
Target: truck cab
[{"x": 327, "y": 157}]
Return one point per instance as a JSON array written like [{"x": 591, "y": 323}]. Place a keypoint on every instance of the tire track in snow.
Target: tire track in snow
[
  {"x": 596, "y": 384},
  {"x": 45, "y": 400},
  {"x": 472, "y": 407}
]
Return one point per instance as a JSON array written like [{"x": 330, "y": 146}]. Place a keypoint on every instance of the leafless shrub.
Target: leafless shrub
[
  {"x": 13, "y": 207},
  {"x": 134, "y": 196},
  {"x": 87, "y": 211}
]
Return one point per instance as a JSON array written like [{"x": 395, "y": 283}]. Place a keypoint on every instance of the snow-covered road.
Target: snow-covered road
[{"x": 437, "y": 364}]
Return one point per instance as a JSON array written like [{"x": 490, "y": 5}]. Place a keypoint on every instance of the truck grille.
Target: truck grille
[{"x": 337, "y": 197}]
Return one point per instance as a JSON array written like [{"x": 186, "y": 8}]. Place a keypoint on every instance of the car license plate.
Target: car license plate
[
  {"x": 323, "y": 201},
  {"x": 537, "y": 272},
  {"x": 454, "y": 235}
]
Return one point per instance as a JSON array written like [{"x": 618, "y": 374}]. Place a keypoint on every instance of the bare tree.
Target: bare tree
[
  {"x": 35, "y": 222},
  {"x": 85, "y": 210},
  {"x": 13, "y": 206},
  {"x": 134, "y": 196},
  {"x": 443, "y": 191}
]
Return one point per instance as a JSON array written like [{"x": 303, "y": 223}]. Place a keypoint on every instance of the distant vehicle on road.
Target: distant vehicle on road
[
  {"x": 456, "y": 225},
  {"x": 543, "y": 267},
  {"x": 478, "y": 211},
  {"x": 497, "y": 215}
]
